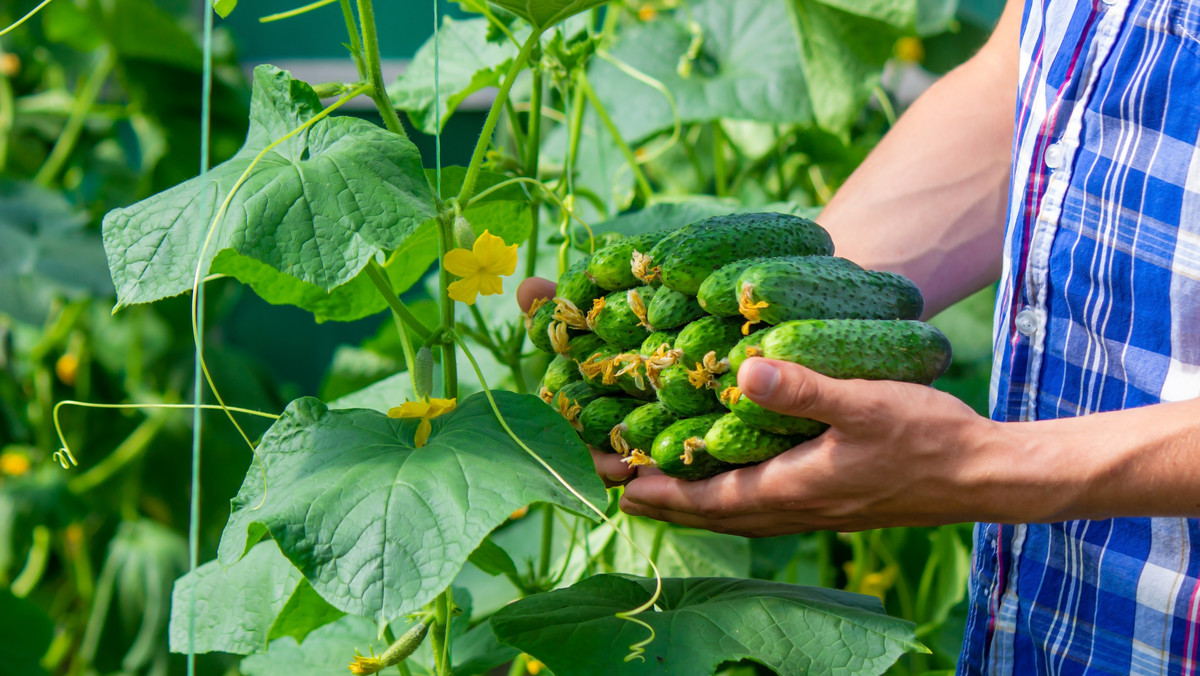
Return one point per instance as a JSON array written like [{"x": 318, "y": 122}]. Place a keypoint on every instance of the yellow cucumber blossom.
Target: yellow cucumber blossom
[
  {"x": 14, "y": 463},
  {"x": 424, "y": 410},
  {"x": 480, "y": 268}
]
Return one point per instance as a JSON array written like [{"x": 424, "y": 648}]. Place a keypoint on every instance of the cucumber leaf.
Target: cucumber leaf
[
  {"x": 542, "y": 14},
  {"x": 317, "y": 207},
  {"x": 240, "y": 608},
  {"x": 224, "y": 8},
  {"x": 25, "y": 635},
  {"x": 325, "y": 651},
  {"x": 379, "y": 527},
  {"x": 467, "y": 63},
  {"x": 703, "y": 622}
]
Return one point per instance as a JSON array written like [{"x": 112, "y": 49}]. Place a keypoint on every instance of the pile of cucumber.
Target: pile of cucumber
[{"x": 651, "y": 329}]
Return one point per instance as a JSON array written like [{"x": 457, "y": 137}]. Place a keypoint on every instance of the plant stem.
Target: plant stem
[
  {"x": 366, "y": 15},
  {"x": 380, "y": 279},
  {"x": 639, "y": 176},
  {"x": 547, "y": 541},
  {"x": 355, "y": 41},
  {"x": 35, "y": 563},
  {"x": 440, "y": 632},
  {"x": 128, "y": 451},
  {"x": 660, "y": 532},
  {"x": 532, "y": 159},
  {"x": 445, "y": 225},
  {"x": 517, "y": 668},
  {"x": 7, "y": 106},
  {"x": 489, "y": 124},
  {"x": 61, "y": 151},
  {"x": 720, "y": 171}
]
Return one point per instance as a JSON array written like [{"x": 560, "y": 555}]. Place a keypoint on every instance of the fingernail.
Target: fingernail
[
  {"x": 758, "y": 378},
  {"x": 614, "y": 479}
]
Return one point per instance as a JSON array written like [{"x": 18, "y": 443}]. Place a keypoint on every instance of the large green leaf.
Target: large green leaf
[
  {"x": 379, "y": 527},
  {"x": 747, "y": 68},
  {"x": 25, "y": 634},
  {"x": 325, "y": 652},
  {"x": 317, "y": 207},
  {"x": 545, "y": 13},
  {"x": 467, "y": 63},
  {"x": 240, "y": 608},
  {"x": 46, "y": 252},
  {"x": 703, "y": 622}
]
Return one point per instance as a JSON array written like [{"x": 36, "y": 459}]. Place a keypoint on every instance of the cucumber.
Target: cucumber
[
  {"x": 709, "y": 334},
  {"x": 671, "y": 309},
  {"x": 680, "y": 396},
  {"x": 599, "y": 417},
  {"x": 779, "y": 291},
  {"x": 580, "y": 347},
  {"x": 656, "y": 340},
  {"x": 708, "y": 245},
  {"x": 678, "y": 450},
  {"x": 537, "y": 325},
  {"x": 620, "y": 317},
  {"x": 632, "y": 378},
  {"x": 598, "y": 370},
  {"x": 718, "y": 295},
  {"x": 731, "y": 440},
  {"x": 872, "y": 349},
  {"x": 571, "y": 399},
  {"x": 575, "y": 285},
  {"x": 750, "y": 346},
  {"x": 559, "y": 373},
  {"x": 610, "y": 267},
  {"x": 639, "y": 428},
  {"x": 765, "y": 419}
]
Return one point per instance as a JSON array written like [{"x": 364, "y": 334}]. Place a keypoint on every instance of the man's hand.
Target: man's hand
[
  {"x": 896, "y": 454},
  {"x": 608, "y": 465}
]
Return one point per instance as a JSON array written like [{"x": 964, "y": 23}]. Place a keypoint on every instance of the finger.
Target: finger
[
  {"x": 726, "y": 495},
  {"x": 532, "y": 289},
  {"x": 792, "y": 389},
  {"x": 610, "y": 468}
]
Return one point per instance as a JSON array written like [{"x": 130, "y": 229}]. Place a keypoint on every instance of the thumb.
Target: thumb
[
  {"x": 532, "y": 289},
  {"x": 794, "y": 390}
]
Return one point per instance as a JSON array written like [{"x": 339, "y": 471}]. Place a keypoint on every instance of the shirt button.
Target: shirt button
[
  {"x": 1054, "y": 156},
  {"x": 1026, "y": 321}
]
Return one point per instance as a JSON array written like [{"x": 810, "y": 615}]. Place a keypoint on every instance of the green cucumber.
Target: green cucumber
[
  {"x": 680, "y": 396},
  {"x": 610, "y": 266},
  {"x": 708, "y": 245},
  {"x": 872, "y": 349},
  {"x": 751, "y": 413},
  {"x": 599, "y": 417},
  {"x": 572, "y": 398},
  {"x": 750, "y": 346},
  {"x": 709, "y": 334},
  {"x": 537, "y": 326},
  {"x": 580, "y": 347},
  {"x": 559, "y": 373},
  {"x": 630, "y": 372},
  {"x": 638, "y": 429},
  {"x": 678, "y": 450},
  {"x": 671, "y": 309},
  {"x": 620, "y": 320},
  {"x": 718, "y": 295},
  {"x": 732, "y": 440},
  {"x": 656, "y": 340},
  {"x": 779, "y": 291},
  {"x": 597, "y": 368},
  {"x": 575, "y": 285}
]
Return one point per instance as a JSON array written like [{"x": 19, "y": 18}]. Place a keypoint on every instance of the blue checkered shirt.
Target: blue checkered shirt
[{"x": 1098, "y": 309}]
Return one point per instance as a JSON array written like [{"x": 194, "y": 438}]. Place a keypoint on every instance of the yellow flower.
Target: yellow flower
[
  {"x": 425, "y": 411},
  {"x": 14, "y": 463},
  {"x": 480, "y": 268}
]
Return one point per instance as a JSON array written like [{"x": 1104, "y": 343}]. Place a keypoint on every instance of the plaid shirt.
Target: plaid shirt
[{"x": 1098, "y": 309}]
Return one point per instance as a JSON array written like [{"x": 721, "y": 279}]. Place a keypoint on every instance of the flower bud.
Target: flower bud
[{"x": 464, "y": 234}]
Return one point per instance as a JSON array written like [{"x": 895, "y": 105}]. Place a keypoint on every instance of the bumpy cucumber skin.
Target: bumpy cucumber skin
[
  {"x": 617, "y": 323},
  {"x": 578, "y": 393},
  {"x": 610, "y": 267},
  {"x": 737, "y": 354},
  {"x": 582, "y": 346},
  {"x": 668, "y": 450},
  {"x": 599, "y": 417},
  {"x": 718, "y": 295},
  {"x": 671, "y": 309},
  {"x": 708, "y": 334},
  {"x": 764, "y": 418},
  {"x": 709, "y": 245},
  {"x": 655, "y": 340},
  {"x": 644, "y": 423},
  {"x": 559, "y": 373},
  {"x": 539, "y": 325},
  {"x": 815, "y": 290},
  {"x": 575, "y": 285},
  {"x": 682, "y": 398},
  {"x": 871, "y": 349},
  {"x": 731, "y": 440}
]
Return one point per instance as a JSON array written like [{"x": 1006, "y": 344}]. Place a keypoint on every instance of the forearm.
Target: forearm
[
  {"x": 930, "y": 200},
  {"x": 1136, "y": 462}
]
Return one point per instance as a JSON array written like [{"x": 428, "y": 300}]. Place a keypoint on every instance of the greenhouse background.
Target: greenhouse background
[{"x": 100, "y": 107}]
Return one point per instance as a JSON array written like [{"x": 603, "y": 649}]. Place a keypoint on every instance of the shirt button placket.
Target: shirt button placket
[
  {"x": 1026, "y": 322},
  {"x": 1053, "y": 156}
]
